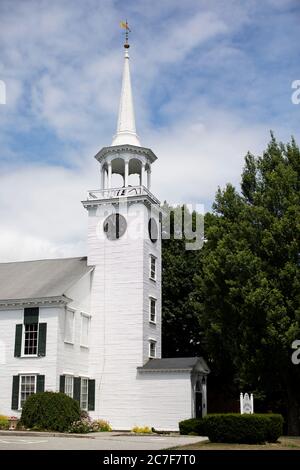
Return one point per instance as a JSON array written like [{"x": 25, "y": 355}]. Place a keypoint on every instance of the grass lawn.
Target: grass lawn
[{"x": 284, "y": 443}]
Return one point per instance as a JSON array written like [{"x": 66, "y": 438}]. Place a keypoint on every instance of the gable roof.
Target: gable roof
[
  {"x": 175, "y": 363},
  {"x": 40, "y": 279}
]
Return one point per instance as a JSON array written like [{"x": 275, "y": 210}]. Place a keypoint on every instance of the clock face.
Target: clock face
[
  {"x": 114, "y": 226},
  {"x": 153, "y": 230}
]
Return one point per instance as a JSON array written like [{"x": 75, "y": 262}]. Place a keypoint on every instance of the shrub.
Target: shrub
[
  {"x": 85, "y": 424},
  {"x": 82, "y": 426},
  {"x": 144, "y": 430},
  {"x": 192, "y": 427},
  {"x": 4, "y": 424},
  {"x": 99, "y": 425},
  {"x": 274, "y": 424},
  {"x": 50, "y": 411},
  {"x": 236, "y": 428}
]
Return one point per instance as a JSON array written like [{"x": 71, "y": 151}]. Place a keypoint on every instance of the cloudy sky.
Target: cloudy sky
[{"x": 210, "y": 79}]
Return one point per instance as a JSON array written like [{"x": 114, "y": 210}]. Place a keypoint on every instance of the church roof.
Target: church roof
[
  {"x": 175, "y": 363},
  {"x": 40, "y": 279}
]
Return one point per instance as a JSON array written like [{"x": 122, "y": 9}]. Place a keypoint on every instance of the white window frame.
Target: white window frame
[
  {"x": 82, "y": 316},
  {"x": 152, "y": 257},
  {"x": 69, "y": 377},
  {"x": 152, "y": 341},
  {"x": 23, "y": 342},
  {"x": 20, "y": 386},
  {"x": 85, "y": 408},
  {"x": 151, "y": 298},
  {"x": 67, "y": 340}
]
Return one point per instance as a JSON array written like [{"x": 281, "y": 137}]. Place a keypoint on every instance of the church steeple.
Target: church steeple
[{"x": 126, "y": 130}]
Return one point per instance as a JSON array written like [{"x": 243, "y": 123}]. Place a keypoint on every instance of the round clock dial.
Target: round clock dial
[
  {"x": 153, "y": 230},
  {"x": 115, "y": 226}
]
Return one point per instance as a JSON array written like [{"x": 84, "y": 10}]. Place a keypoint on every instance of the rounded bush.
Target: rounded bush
[
  {"x": 50, "y": 411},
  {"x": 192, "y": 426},
  {"x": 236, "y": 428}
]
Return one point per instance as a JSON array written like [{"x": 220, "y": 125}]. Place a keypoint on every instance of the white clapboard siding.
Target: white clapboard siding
[{"x": 10, "y": 365}]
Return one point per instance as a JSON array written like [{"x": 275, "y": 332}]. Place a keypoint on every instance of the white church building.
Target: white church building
[{"x": 91, "y": 327}]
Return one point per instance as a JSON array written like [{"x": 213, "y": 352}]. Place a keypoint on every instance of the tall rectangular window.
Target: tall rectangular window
[
  {"x": 152, "y": 310},
  {"x": 152, "y": 267},
  {"x": 69, "y": 326},
  {"x": 152, "y": 349},
  {"x": 69, "y": 385},
  {"x": 31, "y": 339},
  {"x": 27, "y": 388},
  {"x": 84, "y": 392},
  {"x": 85, "y": 327}
]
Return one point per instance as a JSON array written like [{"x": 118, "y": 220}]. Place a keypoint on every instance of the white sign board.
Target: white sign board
[{"x": 246, "y": 403}]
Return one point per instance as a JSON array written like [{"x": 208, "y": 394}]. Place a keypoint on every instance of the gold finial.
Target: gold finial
[{"x": 124, "y": 25}]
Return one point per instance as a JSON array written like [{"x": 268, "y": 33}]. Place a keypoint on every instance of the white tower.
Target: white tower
[{"x": 124, "y": 245}]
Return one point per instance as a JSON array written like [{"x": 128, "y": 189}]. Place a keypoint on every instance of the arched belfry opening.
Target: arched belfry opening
[{"x": 125, "y": 172}]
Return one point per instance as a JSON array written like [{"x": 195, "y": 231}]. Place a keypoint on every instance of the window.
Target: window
[
  {"x": 69, "y": 326},
  {"x": 152, "y": 268},
  {"x": 69, "y": 385},
  {"x": 152, "y": 349},
  {"x": 84, "y": 394},
  {"x": 152, "y": 310},
  {"x": 27, "y": 388},
  {"x": 31, "y": 339},
  {"x": 85, "y": 326}
]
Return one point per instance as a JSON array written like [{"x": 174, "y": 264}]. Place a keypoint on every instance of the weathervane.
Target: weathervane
[{"x": 125, "y": 26}]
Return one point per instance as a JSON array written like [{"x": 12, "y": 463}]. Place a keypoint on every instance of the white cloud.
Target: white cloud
[{"x": 62, "y": 64}]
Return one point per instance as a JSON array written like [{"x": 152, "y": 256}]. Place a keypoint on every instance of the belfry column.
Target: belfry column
[
  {"x": 149, "y": 178},
  {"x": 126, "y": 174},
  {"x": 109, "y": 175}
]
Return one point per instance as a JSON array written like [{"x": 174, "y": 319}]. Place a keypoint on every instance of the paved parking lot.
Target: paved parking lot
[{"x": 99, "y": 441}]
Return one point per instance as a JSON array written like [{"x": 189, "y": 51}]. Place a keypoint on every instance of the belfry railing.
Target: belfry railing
[{"x": 113, "y": 193}]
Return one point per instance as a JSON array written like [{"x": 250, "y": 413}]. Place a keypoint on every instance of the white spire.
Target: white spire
[{"x": 126, "y": 131}]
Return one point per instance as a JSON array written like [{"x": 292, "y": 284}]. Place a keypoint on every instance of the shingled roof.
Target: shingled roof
[
  {"x": 40, "y": 279},
  {"x": 175, "y": 363}
]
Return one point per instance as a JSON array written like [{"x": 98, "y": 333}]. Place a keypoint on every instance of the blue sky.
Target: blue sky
[{"x": 210, "y": 79}]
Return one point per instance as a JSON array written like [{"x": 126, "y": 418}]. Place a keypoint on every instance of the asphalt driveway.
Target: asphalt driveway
[{"x": 96, "y": 441}]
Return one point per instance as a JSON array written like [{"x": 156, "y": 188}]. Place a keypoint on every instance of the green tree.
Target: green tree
[
  {"x": 181, "y": 332},
  {"x": 247, "y": 291}
]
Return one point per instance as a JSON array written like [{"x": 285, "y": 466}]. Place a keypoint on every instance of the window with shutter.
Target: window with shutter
[
  {"x": 91, "y": 395},
  {"x": 18, "y": 340},
  {"x": 42, "y": 339},
  {"x": 62, "y": 380},
  {"x": 76, "y": 388},
  {"x": 28, "y": 386},
  {"x": 15, "y": 393},
  {"x": 40, "y": 383},
  {"x": 84, "y": 392}
]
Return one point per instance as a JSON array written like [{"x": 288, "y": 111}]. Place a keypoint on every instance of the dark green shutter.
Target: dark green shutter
[
  {"x": 76, "y": 388},
  {"x": 40, "y": 383},
  {"x": 62, "y": 380},
  {"x": 42, "y": 339},
  {"x": 15, "y": 393},
  {"x": 18, "y": 340},
  {"x": 31, "y": 315},
  {"x": 91, "y": 395}
]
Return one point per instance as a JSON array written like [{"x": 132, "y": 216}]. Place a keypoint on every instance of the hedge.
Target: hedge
[
  {"x": 236, "y": 428},
  {"x": 50, "y": 411}
]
